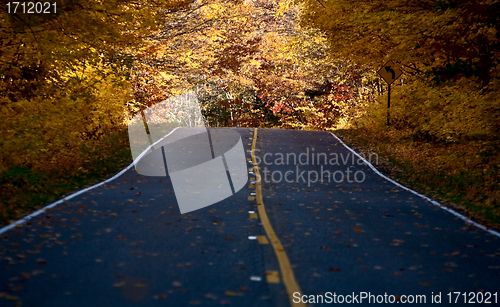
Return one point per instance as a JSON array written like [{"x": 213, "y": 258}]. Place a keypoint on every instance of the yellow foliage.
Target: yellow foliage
[{"x": 42, "y": 130}]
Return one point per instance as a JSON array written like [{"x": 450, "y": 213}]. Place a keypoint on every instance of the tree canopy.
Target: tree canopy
[
  {"x": 74, "y": 75},
  {"x": 64, "y": 75},
  {"x": 449, "y": 51}
]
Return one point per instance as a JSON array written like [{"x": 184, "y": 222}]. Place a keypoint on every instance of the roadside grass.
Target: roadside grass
[
  {"x": 24, "y": 190},
  {"x": 464, "y": 176}
]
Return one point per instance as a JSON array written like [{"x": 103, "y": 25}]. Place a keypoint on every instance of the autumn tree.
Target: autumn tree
[
  {"x": 64, "y": 75},
  {"x": 448, "y": 49},
  {"x": 258, "y": 62}
]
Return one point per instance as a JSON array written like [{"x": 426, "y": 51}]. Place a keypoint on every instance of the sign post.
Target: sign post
[{"x": 389, "y": 72}]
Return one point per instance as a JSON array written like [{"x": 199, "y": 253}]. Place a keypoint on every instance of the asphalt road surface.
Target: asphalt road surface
[{"x": 298, "y": 236}]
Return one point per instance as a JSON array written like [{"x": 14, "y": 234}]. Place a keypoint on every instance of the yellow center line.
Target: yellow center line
[{"x": 285, "y": 267}]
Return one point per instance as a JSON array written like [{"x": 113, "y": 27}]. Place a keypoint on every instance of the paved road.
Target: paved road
[{"x": 126, "y": 244}]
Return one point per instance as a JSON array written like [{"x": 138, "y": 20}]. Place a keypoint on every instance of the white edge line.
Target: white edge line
[
  {"x": 52, "y": 205},
  {"x": 493, "y": 232}
]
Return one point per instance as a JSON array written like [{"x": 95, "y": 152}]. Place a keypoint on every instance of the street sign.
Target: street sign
[{"x": 390, "y": 72}]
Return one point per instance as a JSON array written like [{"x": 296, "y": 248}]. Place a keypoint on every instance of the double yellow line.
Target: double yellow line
[{"x": 285, "y": 267}]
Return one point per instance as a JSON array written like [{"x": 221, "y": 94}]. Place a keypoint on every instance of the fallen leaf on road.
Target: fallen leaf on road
[
  {"x": 210, "y": 296},
  {"x": 41, "y": 261},
  {"x": 225, "y": 302},
  {"x": 160, "y": 296},
  {"x": 232, "y": 293},
  {"x": 11, "y": 297},
  {"x": 357, "y": 229},
  {"x": 425, "y": 283}
]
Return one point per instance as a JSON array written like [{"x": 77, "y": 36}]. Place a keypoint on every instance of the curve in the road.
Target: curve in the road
[
  {"x": 495, "y": 233},
  {"x": 40, "y": 211}
]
